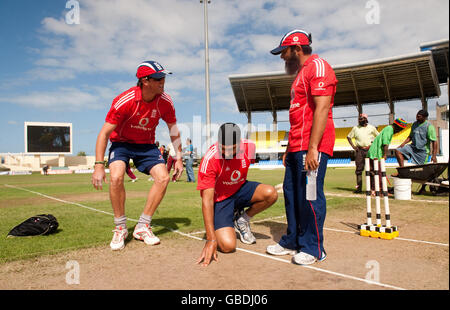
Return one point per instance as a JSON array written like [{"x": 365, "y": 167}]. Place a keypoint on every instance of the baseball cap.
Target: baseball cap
[
  {"x": 294, "y": 37},
  {"x": 400, "y": 122},
  {"x": 151, "y": 68}
]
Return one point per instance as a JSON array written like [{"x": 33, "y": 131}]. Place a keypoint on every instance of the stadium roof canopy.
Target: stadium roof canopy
[
  {"x": 439, "y": 50},
  {"x": 406, "y": 77}
]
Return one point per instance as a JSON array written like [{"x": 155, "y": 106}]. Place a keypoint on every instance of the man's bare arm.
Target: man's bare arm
[
  {"x": 318, "y": 127},
  {"x": 210, "y": 249}
]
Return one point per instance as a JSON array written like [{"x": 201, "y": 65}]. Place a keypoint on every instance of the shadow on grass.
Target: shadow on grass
[
  {"x": 164, "y": 225},
  {"x": 161, "y": 226}
]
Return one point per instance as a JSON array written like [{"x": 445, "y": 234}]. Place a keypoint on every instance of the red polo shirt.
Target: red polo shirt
[
  {"x": 315, "y": 78},
  {"x": 137, "y": 119},
  {"x": 226, "y": 176}
]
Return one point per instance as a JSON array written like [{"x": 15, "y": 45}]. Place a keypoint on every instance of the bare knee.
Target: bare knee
[
  {"x": 271, "y": 194},
  {"x": 116, "y": 180},
  {"x": 227, "y": 246},
  {"x": 162, "y": 179},
  {"x": 226, "y": 239}
]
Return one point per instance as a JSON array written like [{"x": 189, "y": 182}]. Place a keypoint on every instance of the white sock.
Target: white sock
[
  {"x": 246, "y": 217},
  {"x": 121, "y": 221},
  {"x": 144, "y": 219}
]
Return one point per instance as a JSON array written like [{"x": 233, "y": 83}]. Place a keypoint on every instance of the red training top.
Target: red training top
[
  {"x": 137, "y": 119},
  {"x": 315, "y": 78},
  {"x": 226, "y": 176}
]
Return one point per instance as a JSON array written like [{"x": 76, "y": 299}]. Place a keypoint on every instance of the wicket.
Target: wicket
[{"x": 368, "y": 229}]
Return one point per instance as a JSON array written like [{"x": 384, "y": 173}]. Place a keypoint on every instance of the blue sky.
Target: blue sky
[{"x": 52, "y": 71}]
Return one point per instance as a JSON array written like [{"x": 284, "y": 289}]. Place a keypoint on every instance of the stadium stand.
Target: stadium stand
[
  {"x": 268, "y": 140},
  {"x": 270, "y": 147},
  {"x": 341, "y": 142}
]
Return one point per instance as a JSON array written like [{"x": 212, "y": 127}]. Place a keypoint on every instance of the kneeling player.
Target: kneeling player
[{"x": 225, "y": 192}]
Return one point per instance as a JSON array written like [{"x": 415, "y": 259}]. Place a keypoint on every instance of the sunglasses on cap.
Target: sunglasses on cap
[{"x": 152, "y": 78}]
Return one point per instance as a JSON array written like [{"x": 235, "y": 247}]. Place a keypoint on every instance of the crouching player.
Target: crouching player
[{"x": 226, "y": 193}]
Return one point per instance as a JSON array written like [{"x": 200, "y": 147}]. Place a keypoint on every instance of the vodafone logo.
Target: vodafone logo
[
  {"x": 235, "y": 175},
  {"x": 321, "y": 84},
  {"x": 295, "y": 39},
  {"x": 144, "y": 121}
]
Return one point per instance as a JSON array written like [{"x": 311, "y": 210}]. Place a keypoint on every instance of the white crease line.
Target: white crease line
[
  {"x": 326, "y": 271},
  {"x": 421, "y": 241},
  {"x": 92, "y": 209},
  {"x": 258, "y": 221},
  {"x": 199, "y": 232},
  {"x": 356, "y": 233},
  {"x": 364, "y": 197},
  {"x": 197, "y": 238}
]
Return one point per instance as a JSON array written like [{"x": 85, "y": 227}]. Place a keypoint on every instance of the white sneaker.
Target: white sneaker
[
  {"x": 145, "y": 234},
  {"x": 277, "y": 249},
  {"x": 303, "y": 258},
  {"x": 118, "y": 240},
  {"x": 242, "y": 227}
]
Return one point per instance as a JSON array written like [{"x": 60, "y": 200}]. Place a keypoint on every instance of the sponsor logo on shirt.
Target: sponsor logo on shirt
[
  {"x": 235, "y": 178},
  {"x": 142, "y": 123},
  {"x": 235, "y": 175},
  {"x": 321, "y": 86}
]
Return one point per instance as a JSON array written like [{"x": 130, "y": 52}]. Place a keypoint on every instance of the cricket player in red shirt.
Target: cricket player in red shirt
[
  {"x": 311, "y": 142},
  {"x": 130, "y": 126},
  {"x": 225, "y": 192}
]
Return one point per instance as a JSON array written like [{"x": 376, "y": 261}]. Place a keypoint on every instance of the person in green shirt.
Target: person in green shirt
[
  {"x": 423, "y": 142},
  {"x": 380, "y": 145}
]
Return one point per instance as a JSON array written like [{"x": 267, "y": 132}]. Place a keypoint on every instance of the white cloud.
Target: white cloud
[
  {"x": 115, "y": 35},
  {"x": 63, "y": 99}
]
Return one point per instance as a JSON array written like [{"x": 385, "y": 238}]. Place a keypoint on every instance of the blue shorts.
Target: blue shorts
[
  {"x": 224, "y": 210},
  {"x": 144, "y": 156},
  {"x": 418, "y": 157}
]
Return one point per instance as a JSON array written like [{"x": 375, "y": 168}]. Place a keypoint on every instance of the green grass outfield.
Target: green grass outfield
[{"x": 81, "y": 227}]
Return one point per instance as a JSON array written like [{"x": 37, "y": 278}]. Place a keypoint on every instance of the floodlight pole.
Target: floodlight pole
[{"x": 208, "y": 111}]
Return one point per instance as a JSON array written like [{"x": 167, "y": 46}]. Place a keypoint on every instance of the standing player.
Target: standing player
[
  {"x": 130, "y": 125},
  {"x": 225, "y": 192},
  {"x": 364, "y": 134},
  {"x": 311, "y": 142}
]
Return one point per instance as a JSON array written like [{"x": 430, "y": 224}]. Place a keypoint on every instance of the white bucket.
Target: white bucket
[{"x": 402, "y": 189}]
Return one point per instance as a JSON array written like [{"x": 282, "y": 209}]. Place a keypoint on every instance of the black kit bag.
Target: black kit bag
[{"x": 42, "y": 224}]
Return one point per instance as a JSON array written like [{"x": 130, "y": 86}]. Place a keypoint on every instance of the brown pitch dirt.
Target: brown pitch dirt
[{"x": 405, "y": 262}]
